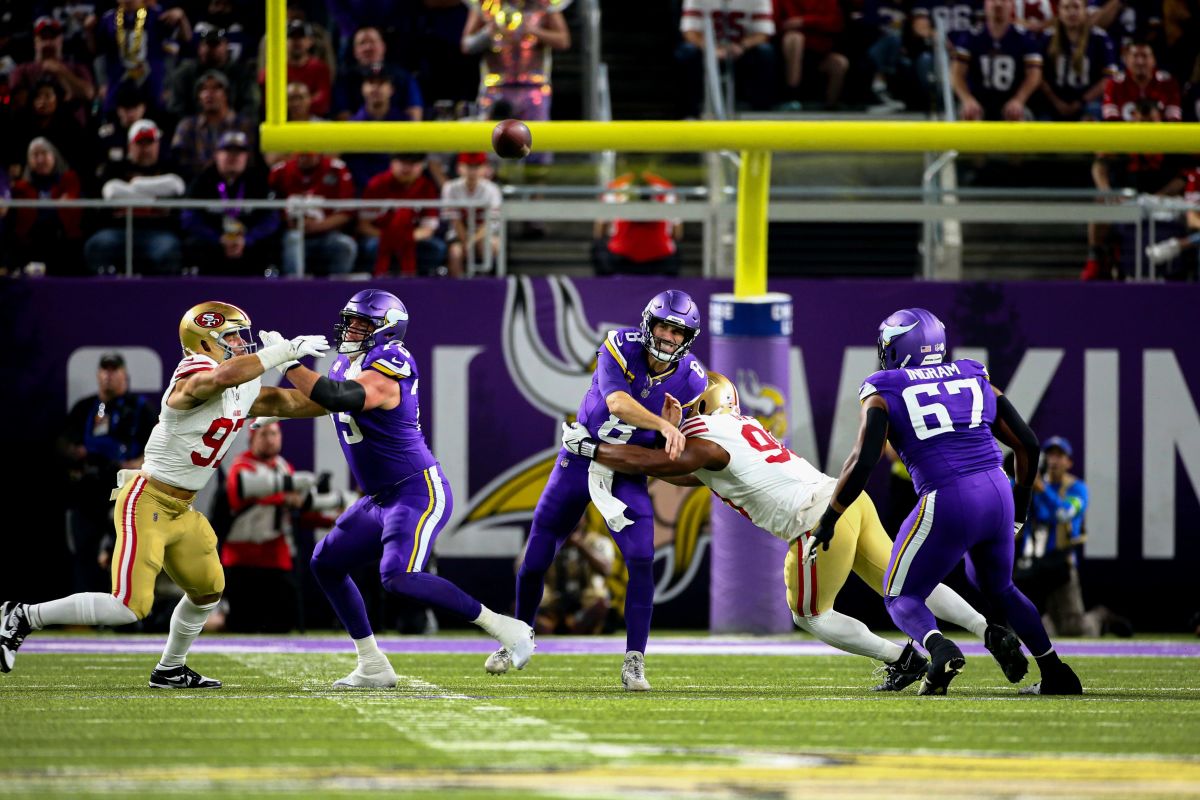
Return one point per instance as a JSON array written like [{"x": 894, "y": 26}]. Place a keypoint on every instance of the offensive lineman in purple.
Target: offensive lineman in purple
[
  {"x": 943, "y": 419},
  {"x": 637, "y": 370},
  {"x": 372, "y": 391}
]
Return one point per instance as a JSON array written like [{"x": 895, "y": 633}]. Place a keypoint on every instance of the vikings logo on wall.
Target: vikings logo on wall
[
  {"x": 553, "y": 375},
  {"x": 764, "y": 401}
]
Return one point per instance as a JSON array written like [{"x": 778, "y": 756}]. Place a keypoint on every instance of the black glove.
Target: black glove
[{"x": 821, "y": 535}]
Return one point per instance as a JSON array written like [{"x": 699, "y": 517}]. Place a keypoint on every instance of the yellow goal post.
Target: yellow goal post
[{"x": 754, "y": 139}]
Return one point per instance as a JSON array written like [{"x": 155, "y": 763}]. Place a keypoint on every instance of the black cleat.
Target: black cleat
[
  {"x": 910, "y": 667},
  {"x": 181, "y": 677},
  {"x": 1062, "y": 680},
  {"x": 945, "y": 662},
  {"x": 1005, "y": 647},
  {"x": 14, "y": 627}
]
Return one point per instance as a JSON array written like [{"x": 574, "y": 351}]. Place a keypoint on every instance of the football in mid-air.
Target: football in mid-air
[{"x": 511, "y": 139}]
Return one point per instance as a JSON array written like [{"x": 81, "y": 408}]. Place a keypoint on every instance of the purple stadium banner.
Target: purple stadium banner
[{"x": 1112, "y": 367}]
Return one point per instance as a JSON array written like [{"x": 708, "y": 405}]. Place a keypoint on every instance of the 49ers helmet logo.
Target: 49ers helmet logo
[{"x": 210, "y": 319}]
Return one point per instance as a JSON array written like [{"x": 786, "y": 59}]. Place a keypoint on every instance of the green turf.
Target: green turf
[{"x": 68, "y": 715}]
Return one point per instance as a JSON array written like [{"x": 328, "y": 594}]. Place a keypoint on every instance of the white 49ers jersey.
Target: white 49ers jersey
[
  {"x": 186, "y": 447},
  {"x": 776, "y": 489}
]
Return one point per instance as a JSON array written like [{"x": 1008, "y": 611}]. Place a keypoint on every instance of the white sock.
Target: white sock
[
  {"x": 369, "y": 652},
  {"x": 487, "y": 619},
  {"x": 847, "y": 633},
  {"x": 85, "y": 608},
  {"x": 186, "y": 623},
  {"x": 947, "y": 604}
]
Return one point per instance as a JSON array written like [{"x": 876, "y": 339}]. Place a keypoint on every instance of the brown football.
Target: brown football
[{"x": 511, "y": 139}]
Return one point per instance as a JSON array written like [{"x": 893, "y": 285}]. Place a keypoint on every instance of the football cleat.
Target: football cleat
[
  {"x": 945, "y": 662},
  {"x": 1062, "y": 680},
  {"x": 1005, "y": 647},
  {"x": 910, "y": 667},
  {"x": 14, "y": 627},
  {"x": 181, "y": 677},
  {"x": 498, "y": 662},
  {"x": 633, "y": 673},
  {"x": 517, "y": 638},
  {"x": 376, "y": 675}
]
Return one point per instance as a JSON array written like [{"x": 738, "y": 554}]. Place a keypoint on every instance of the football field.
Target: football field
[{"x": 728, "y": 717}]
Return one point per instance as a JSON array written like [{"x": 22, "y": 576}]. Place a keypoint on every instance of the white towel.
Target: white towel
[
  {"x": 123, "y": 477},
  {"x": 600, "y": 480}
]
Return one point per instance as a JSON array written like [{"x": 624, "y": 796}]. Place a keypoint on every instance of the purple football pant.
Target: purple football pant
[
  {"x": 397, "y": 528},
  {"x": 559, "y": 510},
  {"x": 972, "y": 517}
]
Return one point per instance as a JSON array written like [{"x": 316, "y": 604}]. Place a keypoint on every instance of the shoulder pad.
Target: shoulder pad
[
  {"x": 695, "y": 426},
  {"x": 192, "y": 364},
  {"x": 874, "y": 384},
  {"x": 975, "y": 366},
  {"x": 618, "y": 344},
  {"x": 391, "y": 359}
]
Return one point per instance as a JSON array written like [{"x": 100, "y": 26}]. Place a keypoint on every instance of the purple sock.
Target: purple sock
[
  {"x": 639, "y": 603},
  {"x": 531, "y": 577},
  {"x": 433, "y": 590},
  {"x": 345, "y": 598},
  {"x": 1024, "y": 619},
  {"x": 911, "y": 615}
]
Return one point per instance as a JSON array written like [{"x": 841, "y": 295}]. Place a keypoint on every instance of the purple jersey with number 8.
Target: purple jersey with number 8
[{"x": 939, "y": 420}]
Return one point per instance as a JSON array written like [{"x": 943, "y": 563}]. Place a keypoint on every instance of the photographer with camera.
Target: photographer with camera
[
  {"x": 265, "y": 495},
  {"x": 1048, "y": 548}
]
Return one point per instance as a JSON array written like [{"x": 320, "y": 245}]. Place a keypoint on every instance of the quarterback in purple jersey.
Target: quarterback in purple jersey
[
  {"x": 371, "y": 391},
  {"x": 637, "y": 370},
  {"x": 944, "y": 419}
]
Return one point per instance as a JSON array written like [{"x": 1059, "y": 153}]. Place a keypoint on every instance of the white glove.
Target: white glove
[
  {"x": 271, "y": 340},
  {"x": 302, "y": 481},
  {"x": 576, "y": 439},
  {"x": 314, "y": 346}
]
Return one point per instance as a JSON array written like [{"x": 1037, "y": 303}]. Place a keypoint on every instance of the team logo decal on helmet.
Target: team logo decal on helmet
[
  {"x": 911, "y": 337},
  {"x": 210, "y": 319},
  {"x": 674, "y": 308}
]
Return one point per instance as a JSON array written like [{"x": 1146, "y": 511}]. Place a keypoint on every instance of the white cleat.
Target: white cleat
[
  {"x": 498, "y": 662},
  {"x": 633, "y": 673},
  {"x": 517, "y": 638},
  {"x": 369, "y": 676},
  {"x": 1163, "y": 251}
]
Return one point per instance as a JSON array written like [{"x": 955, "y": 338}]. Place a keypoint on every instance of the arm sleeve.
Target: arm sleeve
[
  {"x": 339, "y": 395},
  {"x": 874, "y": 435}
]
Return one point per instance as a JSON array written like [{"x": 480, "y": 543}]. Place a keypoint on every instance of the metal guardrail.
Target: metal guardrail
[{"x": 798, "y": 204}]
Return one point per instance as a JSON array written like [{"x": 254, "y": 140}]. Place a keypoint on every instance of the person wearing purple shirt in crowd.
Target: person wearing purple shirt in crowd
[
  {"x": 1078, "y": 60},
  {"x": 370, "y": 56},
  {"x": 371, "y": 391},
  {"x": 378, "y": 91},
  {"x": 637, "y": 370},
  {"x": 130, "y": 39},
  {"x": 997, "y": 66},
  {"x": 943, "y": 419}
]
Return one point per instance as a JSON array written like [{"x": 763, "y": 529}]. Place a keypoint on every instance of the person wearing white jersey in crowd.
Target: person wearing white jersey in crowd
[
  {"x": 780, "y": 492},
  {"x": 213, "y": 391}
]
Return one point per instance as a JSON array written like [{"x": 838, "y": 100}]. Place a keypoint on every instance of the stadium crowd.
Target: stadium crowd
[{"x": 139, "y": 99}]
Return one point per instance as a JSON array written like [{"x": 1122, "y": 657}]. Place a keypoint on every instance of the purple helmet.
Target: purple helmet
[
  {"x": 912, "y": 337},
  {"x": 674, "y": 308},
  {"x": 382, "y": 310}
]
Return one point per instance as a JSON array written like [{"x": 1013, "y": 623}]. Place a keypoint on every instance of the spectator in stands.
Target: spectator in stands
[
  {"x": 1048, "y": 549},
  {"x": 1141, "y": 80},
  {"x": 264, "y": 494},
  {"x": 299, "y": 109},
  {"x": 996, "y": 67},
  {"x": 405, "y": 239},
  {"x": 958, "y": 18},
  {"x": 243, "y": 24},
  {"x": 874, "y": 38},
  {"x": 808, "y": 33},
  {"x": 1127, "y": 20},
  {"x": 306, "y": 68},
  {"x": 516, "y": 51},
  {"x": 377, "y": 91},
  {"x": 46, "y": 118},
  {"x": 1079, "y": 61},
  {"x": 1145, "y": 173},
  {"x": 1191, "y": 94},
  {"x": 742, "y": 31},
  {"x": 304, "y": 179},
  {"x": 104, "y": 432},
  {"x": 627, "y": 247},
  {"x": 48, "y": 236},
  {"x": 131, "y": 44},
  {"x": 77, "y": 89},
  {"x": 1035, "y": 16},
  {"x": 483, "y": 239},
  {"x": 144, "y": 174},
  {"x": 1179, "y": 252},
  {"x": 197, "y": 136},
  {"x": 213, "y": 55},
  {"x": 370, "y": 58},
  {"x": 112, "y": 130},
  {"x": 231, "y": 239}
]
